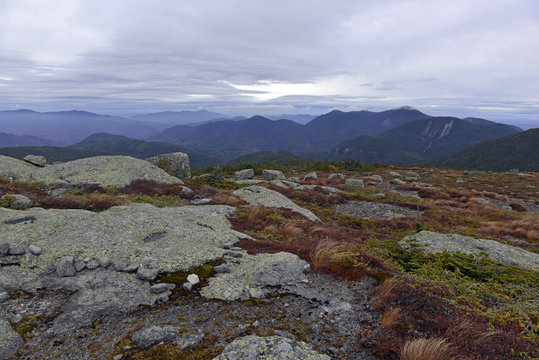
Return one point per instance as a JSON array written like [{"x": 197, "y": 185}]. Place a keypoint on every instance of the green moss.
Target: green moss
[{"x": 158, "y": 200}]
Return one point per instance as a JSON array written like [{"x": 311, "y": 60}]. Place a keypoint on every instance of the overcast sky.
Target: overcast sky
[{"x": 462, "y": 57}]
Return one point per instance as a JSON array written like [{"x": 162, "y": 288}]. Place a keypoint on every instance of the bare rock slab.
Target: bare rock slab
[
  {"x": 433, "y": 242},
  {"x": 148, "y": 336},
  {"x": 250, "y": 276},
  {"x": 10, "y": 341},
  {"x": 261, "y": 196},
  {"x": 255, "y": 347},
  {"x": 105, "y": 171}
]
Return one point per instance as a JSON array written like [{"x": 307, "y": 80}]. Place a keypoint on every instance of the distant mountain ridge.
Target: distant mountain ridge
[
  {"x": 259, "y": 133},
  {"x": 420, "y": 140},
  {"x": 179, "y": 117},
  {"x": 9, "y": 140},
  {"x": 68, "y": 127},
  {"x": 517, "y": 151},
  {"x": 118, "y": 144}
]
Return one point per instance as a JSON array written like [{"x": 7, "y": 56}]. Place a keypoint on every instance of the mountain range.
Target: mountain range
[
  {"x": 398, "y": 136},
  {"x": 259, "y": 133},
  {"x": 420, "y": 140},
  {"x": 517, "y": 151}
]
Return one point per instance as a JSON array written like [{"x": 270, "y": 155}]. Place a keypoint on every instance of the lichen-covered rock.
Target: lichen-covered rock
[
  {"x": 311, "y": 175},
  {"x": 375, "y": 210},
  {"x": 17, "y": 201},
  {"x": 261, "y": 196},
  {"x": 254, "y": 347},
  {"x": 393, "y": 175},
  {"x": 65, "y": 266},
  {"x": 10, "y": 341},
  {"x": 273, "y": 175},
  {"x": 354, "y": 182},
  {"x": 106, "y": 171},
  {"x": 244, "y": 174},
  {"x": 336, "y": 176},
  {"x": 35, "y": 160},
  {"x": 176, "y": 164},
  {"x": 148, "y": 336},
  {"x": 250, "y": 276},
  {"x": 433, "y": 242},
  {"x": 189, "y": 237}
]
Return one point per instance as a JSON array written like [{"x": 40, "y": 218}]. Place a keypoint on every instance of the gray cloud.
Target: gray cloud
[{"x": 467, "y": 58}]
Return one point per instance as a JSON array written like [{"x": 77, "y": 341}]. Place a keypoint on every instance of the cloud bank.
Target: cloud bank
[{"x": 469, "y": 58}]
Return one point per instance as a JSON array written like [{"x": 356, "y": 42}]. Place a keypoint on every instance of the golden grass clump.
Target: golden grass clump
[
  {"x": 334, "y": 255},
  {"x": 390, "y": 317},
  {"x": 291, "y": 230},
  {"x": 254, "y": 215},
  {"x": 467, "y": 329},
  {"x": 427, "y": 349}
]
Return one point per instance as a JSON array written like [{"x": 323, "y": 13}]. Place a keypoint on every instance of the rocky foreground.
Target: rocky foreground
[{"x": 319, "y": 266}]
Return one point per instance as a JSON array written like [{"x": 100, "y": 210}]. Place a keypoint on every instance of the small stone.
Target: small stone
[
  {"x": 193, "y": 279},
  {"x": 221, "y": 269},
  {"x": 465, "y": 173},
  {"x": 51, "y": 268},
  {"x": 92, "y": 264},
  {"x": 459, "y": 181},
  {"x": 311, "y": 175},
  {"x": 201, "y": 201},
  {"x": 393, "y": 175},
  {"x": 187, "y": 286},
  {"x": 117, "y": 357},
  {"x": 398, "y": 182},
  {"x": 10, "y": 340},
  {"x": 257, "y": 323},
  {"x": 336, "y": 176},
  {"x": 79, "y": 265},
  {"x": 17, "y": 318},
  {"x": 17, "y": 249},
  {"x": 186, "y": 191},
  {"x": 64, "y": 266},
  {"x": 228, "y": 245},
  {"x": 34, "y": 250},
  {"x": 3, "y": 296},
  {"x": 294, "y": 179},
  {"x": 148, "y": 336},
  {"x": 36, "y": 160},
  {"x": 104, "y": 262},
  {"x": 306, "y": 268},
  {"x": 18, "y": 201},
  {"x": 161, "y": 288},
  {"x": 147, "y": 274},
  {"x": 131, "y": 268},
  {"x": 4, "y": 248},
  {"x": 189, "y": 340},
  {"x": 354, "y": 182},
  {"x": 273, "y": 175},
  {"x": 236, "y": 254},
  {"x": 119, "y": 265},
  {"x": 377, "y": 178},
  {"x": 244, "y": 174}
]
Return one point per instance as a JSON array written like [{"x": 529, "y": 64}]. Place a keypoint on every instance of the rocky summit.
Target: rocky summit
[{"x": 113, "y": 257}]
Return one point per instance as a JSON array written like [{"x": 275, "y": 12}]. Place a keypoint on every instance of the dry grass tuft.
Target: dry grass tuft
[
  {"x": 332, "y": 254},
  {"x": 427, "y": 349},
  {"x": 390, "y": 316},
  {"x": 291, "y": 230},
  {"x": 465, "y": 329},
  {"x": 255, "y": 215},
  {"x": 224, "y": 199},
  {"x": 385, "y": 290}
]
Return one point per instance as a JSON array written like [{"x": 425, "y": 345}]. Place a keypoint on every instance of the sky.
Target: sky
[{"x": 245, "y": 57}]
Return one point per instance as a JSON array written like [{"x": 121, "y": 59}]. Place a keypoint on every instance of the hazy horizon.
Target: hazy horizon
[{"x": 469, "y": 59}]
